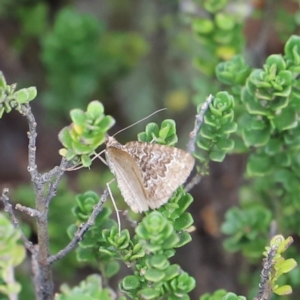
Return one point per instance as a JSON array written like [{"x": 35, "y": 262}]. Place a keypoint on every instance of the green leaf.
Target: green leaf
[
  {"x": 65, "y": 138},
  {"x": 232, "y": 296},
  {"x": 204, "y": 143},
  {"x": 22, "y": 96},
  {"x": 142, "y": 137},
  {"x": 184, "y": 238},
  {"x": 225, "y": 144},
  {"x": 273, "y": 147},
  {"x": 112, "y": 268},
  {"x": 287, "y": 178},
  {"x": 106, "y": 123},
  {"x": 152, "y": 130},
  {"x": 256, "y": 138},
  {"x": 170, "y": 242},
  {"x": 80, "y": 148},
  {"x": 2, "y": 109},
  {"x": 172, "y": 272},
  {"x": 84, "y": 254},
  {"x": 229, "y": 127},
  {"x": 224, "y": 21},
  {"x": 149, "y": 294},
  {"x": 283, "y": 290},
  {"x": 287, "y": 265},
  {"x": 184, "y": 202},
  {"x": 276, "y": 59},
  {"x": 292, "y": 52},
  {"x": 137, "y": 252},
  {"x": 184, "y": 221},
  {"x": 86, "y": 160},
  {"x": 32, "y": 92},
  {"x": 70, "y": 155},
  {"x": 154, "y": 275},
  {"x": 170, "y": 124},
  {"x": 183, "y": 283},
  {"x": 233, "y": 71},
  {"x": 130, "y": 282},
  {"x": 214, "y": 6},
  {"x": 203, "y": 26},
  {"x": 2, "y": 81},
  {"x": 95, "y": 109},
  {"x": 78, "y": 117},
  {"x": 283, "y": 159},
  {"x": 252, "y": 104},
  {"x": 259, "y": 165},
  {"x": 217, "y": 295},
  {"x": 217, "y": 155},
  {"x": 287, "y": 119},
  {"x": 17, "y": 254},
  {"x": 159, "y": 262}
]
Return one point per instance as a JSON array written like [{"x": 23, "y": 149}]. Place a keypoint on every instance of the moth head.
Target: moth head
[{"x": 112, "y": 142}]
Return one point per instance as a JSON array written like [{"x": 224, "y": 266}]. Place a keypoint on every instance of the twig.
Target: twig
[
  {"x": 199, "y": 118},
  {"x": 10, "y": 280},
  {"x": 32, "y": 167},
  {"x": 45, "y": 272},
  {"x": 83, "y": 229},
  {"x": 198, "y": 122},
  {"x": 36, "y": 276},
  {"x": 264, "y": 291},
  {"x": 132, "y": 222},
  {"x": 259, "y": 50},
  {"x": 194, "y": 181},
  {"x": 8, "y": 208},
  {"x": 30, "y": 211},
  {"x": 59, "y": 171}
]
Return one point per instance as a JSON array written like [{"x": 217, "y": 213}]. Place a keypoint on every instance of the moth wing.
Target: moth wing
[
  {"x": 129, "y": 178},
  {"x": 174, "y": 169},
  {"x": 163, "y": 169}
]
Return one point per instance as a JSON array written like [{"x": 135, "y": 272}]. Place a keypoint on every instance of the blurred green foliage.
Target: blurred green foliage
[
  {"x": 221, "y": 295},
  {"x": 12, "y": 99},
  {"x": 90, "y": 288},
  {"x": 85, "y": 134},
  {"x": 262, "y": 110},
  {"x": 214, "y": 140},
  {"x": 269, "y": 124},
  {"x": 12, "y": 253},
  {"x": 33, "y": 19},
  {"x": 87, "y": 62},
  {"x": 60, "y": 205},
  {"x": 266, "y": 113}
]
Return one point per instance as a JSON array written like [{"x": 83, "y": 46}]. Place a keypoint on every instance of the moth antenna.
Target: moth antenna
[
  {"x": 114, "y": 204},
  {"x": 139, "y": 121}
]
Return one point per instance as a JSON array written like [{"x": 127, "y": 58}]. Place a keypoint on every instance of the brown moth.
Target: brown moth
[{"x": 147, "y": 174}]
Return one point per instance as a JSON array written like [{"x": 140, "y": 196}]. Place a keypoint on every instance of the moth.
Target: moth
[{"x": 147, "y": 174}]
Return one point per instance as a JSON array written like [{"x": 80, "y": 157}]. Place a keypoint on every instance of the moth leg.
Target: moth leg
[
  {"x": 73, "y": 168},
  {"x": 114, "y": 203},
  {"x": 98, "y": 155},
  {"x": 153, "y": 140},
  {"x": 79, "y": 166}
]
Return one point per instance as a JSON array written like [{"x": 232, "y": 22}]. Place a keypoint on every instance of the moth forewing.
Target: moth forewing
[{"x": 128, "y": 177}]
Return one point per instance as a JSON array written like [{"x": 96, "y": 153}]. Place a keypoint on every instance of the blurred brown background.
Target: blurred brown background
[{"x": 147, "y": 48}]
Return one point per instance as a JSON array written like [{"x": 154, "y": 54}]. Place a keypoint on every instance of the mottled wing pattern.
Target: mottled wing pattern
[
  {"x": 129, "y": 178},
  {"x": 147, "y": 174},
  {"x": 163, "y": 169}
]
